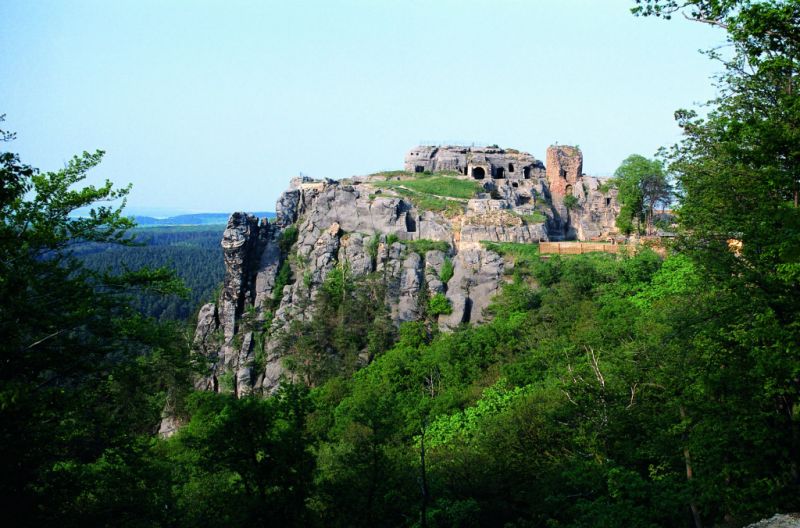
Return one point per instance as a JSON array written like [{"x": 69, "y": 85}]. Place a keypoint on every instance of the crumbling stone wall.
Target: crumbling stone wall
[
  {"x": 497, "y": 163},
  {"x": 564, "y": 169}
]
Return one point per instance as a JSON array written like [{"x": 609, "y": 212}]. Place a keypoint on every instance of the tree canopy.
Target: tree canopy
[
  {"x": 84, "y": 378},
  {"x": 643, "y": 185}
]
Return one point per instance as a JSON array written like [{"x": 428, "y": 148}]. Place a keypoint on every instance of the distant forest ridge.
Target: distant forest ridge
[
  {"x": 192, "y": 251},
  {"x": 192, "y": 219}
]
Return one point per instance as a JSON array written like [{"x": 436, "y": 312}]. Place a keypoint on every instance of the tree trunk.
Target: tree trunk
[
  {"x": 423, "y": 481},
  {"x": 687, "y": 459}
]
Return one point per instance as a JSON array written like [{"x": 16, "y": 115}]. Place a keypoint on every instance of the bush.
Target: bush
[
  {"x": 447, "y": 271},
  {"x": 422, "y": 246},
  {"x": 439, "y": 305},
  {"x": 524, "y": 256},
  {"x": 372, "y": 247},
  {"x": 287, "y": 239},
  {"x": 570, "y": 202},
  {"x": 283, "y": 279}
]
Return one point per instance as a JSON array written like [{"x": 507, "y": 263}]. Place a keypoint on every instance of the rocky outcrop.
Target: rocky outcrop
[
  {"x": 477, "y": 278},
  {"x": 790, "y": 520},
  {"x": 368, "y": 227},
  {"x": 598, "y": 208}
]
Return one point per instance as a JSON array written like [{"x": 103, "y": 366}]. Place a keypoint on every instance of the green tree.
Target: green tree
[
  {"x": 643, "y": 185},
  {"x": 84, "y": 378},
  {"x": 738, "y": 170},
  {"x": 347, "y": 324},
  {"x": 244, "y": 461}
]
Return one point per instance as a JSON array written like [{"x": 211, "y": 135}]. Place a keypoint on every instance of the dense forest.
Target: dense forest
[
  {"x": 605, "y": 391},
  {"x": 192, "y": 252}
]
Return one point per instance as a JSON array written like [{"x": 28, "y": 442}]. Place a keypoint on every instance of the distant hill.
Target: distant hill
[{"x": 192, "y": 219}]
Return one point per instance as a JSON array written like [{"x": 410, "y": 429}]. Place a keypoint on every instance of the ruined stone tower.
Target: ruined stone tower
[{"x": 564, "y": 168}]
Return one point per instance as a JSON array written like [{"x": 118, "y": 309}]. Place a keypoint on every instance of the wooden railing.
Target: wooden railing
[{"x": 579, "y": 248}]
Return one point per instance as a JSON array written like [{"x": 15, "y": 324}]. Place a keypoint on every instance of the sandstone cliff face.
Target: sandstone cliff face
[{"x": 372, "y": 228}]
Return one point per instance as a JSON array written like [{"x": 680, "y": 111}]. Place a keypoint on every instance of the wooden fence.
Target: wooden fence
[{"x": 579, "y": 248}]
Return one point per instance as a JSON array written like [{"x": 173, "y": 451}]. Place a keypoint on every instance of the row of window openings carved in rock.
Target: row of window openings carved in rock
[{"x": 479, "y": 173}]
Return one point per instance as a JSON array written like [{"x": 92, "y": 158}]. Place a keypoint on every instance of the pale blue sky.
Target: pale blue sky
[{"x": 213, "y": 106}]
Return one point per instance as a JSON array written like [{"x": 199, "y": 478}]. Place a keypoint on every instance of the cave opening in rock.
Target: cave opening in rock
[
  {"x": 411, "y": 223},
  {"x": 526, "y": 173},
  {"x": 499, "y": 173},
  {"x": 568, "y": 190},
  {"x": 419, "y": 168},
  {"x": 478, "y": 173},
  {"x": 467, "y": 311},
  {"x": 510, "y": 167},
  {"x": 608, "y": 201}
]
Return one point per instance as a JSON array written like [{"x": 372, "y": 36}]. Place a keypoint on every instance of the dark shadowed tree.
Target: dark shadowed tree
[{"x": 83, "y": 377}]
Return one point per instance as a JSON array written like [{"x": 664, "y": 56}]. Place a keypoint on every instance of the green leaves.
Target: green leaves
[
  {"x": 466, "y": 424},
  {"x": 439, "y": 304},
  {"x": 447, "y": 270},
  {"x": 85, "y": 378},
  {"x": 287, "y": 239},
  {"x": 571, "y": 202},
  {"x": 642, "y": 185},
  {"x": 255, "y": 450}
]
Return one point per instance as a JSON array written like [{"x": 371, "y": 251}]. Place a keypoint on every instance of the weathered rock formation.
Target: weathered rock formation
[
  {"x": 371, "y": 226},
  {"x": 789, "y": 520},
  {"x": 598, "y": 207}
]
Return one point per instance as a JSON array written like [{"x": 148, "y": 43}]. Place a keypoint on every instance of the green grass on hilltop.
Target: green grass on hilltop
[
  {"x": 439, "y": 192},
  {"x": 427, "y": 202},
  {"x": 442, "y": 186},
  {"x": 393, "y": 173}
]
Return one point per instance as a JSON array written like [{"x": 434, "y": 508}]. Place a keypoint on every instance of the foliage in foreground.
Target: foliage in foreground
[{"x": 84, "y": 376}]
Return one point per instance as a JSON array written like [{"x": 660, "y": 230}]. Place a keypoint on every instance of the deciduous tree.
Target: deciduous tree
[{"x": 643, "y": 185}]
